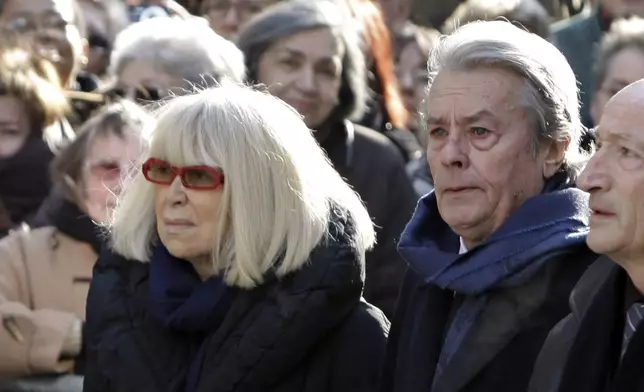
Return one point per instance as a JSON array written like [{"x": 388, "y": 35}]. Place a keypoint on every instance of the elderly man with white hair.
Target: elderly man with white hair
[
  {"x": 496, "y": 249},
  {"x": 600, "y": 346},
  {"x": 160, "y": 57}
]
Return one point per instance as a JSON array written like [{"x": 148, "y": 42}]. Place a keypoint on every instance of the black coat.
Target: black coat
[
  {"x": 498, "y": 353},
  {"x": 372, "y": 165},
  {"x": 582, "y": 353},
  {"x": 308, "y": 332}
]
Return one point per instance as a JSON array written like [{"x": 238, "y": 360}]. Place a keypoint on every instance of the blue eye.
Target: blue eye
[
  {"x": 480, "y": 131},
  {"x": 437, "y": 132}
]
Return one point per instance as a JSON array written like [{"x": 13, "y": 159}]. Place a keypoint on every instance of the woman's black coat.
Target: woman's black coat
[{"x": 309, "y": 332}]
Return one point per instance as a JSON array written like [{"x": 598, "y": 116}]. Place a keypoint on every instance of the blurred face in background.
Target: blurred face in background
[
  {"x": 52, "y": 23},
  {"x": 412, "y": 77},
  {"x": 107, "y": 158},
  {"x": 626, "y": 67},
  {"x": 98, "y": 36},
  {"x": 305, "y": 71},
  {"x": 15, "y": 126},
  {"x": 619, "y": 8},
  {"x": 227, "y": 16},
  {"x": 142, "y": 80},
  {"x": 480, "y": 150}
]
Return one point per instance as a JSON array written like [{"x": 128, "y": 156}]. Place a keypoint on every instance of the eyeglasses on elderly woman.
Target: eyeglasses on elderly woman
[{"x": 158, "y": 171}]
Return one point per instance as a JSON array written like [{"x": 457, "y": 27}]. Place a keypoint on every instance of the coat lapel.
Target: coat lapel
[
  {"x": 505, "y": 314},
  {"x": 427, "y": 316},
  {"x": 597, "y": 343}
]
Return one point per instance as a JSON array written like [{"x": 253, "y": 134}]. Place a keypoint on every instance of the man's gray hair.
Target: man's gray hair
[
  {"x": 550, "y": 97},
  {"x": 291, "y": 17},
  {"x": 187, "y": 49}
]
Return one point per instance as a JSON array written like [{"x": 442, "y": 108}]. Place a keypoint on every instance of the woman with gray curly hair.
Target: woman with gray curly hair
[
  {"x": 308, "y": 54},
  {"x": 160, "y": 57}
]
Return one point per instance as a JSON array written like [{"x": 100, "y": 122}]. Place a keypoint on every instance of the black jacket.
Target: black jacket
[
  {"x": 371, "y": 164},
  {"x": 308, "y": 332},
  {"x": 476, "y": 321},
  {"x": 582, "y": 353}
]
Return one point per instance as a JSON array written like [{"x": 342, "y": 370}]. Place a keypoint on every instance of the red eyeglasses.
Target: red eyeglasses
[{"x": 161, "y": 172}]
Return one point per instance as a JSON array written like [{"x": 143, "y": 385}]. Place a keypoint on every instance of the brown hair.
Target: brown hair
[
  {"x": 379, "y": 46},
  {"x": 118, "y": 119},
  {"x": 32, "y": 79}
]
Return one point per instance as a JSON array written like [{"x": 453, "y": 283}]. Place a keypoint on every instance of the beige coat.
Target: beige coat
[{"x": 44, "y": 280}]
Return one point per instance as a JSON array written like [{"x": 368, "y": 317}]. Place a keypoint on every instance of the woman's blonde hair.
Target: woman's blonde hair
[{"x": 279, "y": 191}]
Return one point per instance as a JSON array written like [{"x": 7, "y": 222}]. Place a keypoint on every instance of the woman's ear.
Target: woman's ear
[{"x": 554, "y": 156}]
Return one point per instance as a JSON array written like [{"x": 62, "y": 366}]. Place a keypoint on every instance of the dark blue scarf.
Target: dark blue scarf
[
  {"x": 181, "y": 301},
  {"x": 546, "y": 225}
]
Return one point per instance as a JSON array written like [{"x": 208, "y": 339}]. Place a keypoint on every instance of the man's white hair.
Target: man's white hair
[
  {"x": 188, "y": 49},
  {"x": 279, "y": 185},
  {"x": 550, "y": 97}
]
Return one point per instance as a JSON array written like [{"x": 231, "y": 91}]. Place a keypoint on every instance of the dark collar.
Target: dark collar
[{"x": 70, "y": 220}]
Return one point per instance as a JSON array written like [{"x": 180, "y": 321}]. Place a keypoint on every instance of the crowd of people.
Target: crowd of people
[{"x": 321, "y": 196}]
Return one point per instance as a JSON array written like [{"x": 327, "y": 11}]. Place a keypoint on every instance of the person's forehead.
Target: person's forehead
[
  {"x": 623, "y": 120},
  {"x": 312, "y": 43},
  {"x": 65, "y": 8},
  {"x": 489, "y": 89}
]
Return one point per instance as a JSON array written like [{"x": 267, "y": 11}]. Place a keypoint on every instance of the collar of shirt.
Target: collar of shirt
[{"x": 463, "y": 248}]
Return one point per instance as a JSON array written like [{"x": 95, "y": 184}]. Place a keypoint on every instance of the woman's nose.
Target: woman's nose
[
  {"x": 306, "y": 80},
  {"x": 177, "y": 192}
]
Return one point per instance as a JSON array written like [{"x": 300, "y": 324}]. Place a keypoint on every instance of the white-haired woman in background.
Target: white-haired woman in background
[
  {"x": 159, "y": 57},
  {"x": 237, "y": 261}
]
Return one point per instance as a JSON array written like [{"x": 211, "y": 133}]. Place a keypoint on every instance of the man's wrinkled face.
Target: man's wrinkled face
[
  {"x": 480, "y": 150},
  {"x": 614, "y": 177}
]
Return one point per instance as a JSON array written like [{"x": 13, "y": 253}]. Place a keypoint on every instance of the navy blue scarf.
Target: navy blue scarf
[
  {"x": 544, "y": 226},
  {"x": 181, "y": 301}
]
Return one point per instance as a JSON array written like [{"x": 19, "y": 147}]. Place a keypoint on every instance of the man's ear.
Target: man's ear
[{"x": 554, "y": 156}]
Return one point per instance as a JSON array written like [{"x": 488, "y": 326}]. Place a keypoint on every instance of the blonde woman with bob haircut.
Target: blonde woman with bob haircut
[{"x": 237, "y": 260}]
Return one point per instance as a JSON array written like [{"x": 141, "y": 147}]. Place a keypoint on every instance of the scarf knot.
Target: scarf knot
[{"x": 543, "y": 226}]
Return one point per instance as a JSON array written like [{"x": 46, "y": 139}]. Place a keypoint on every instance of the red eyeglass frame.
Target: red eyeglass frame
[{"x": 179, "y": 171}]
